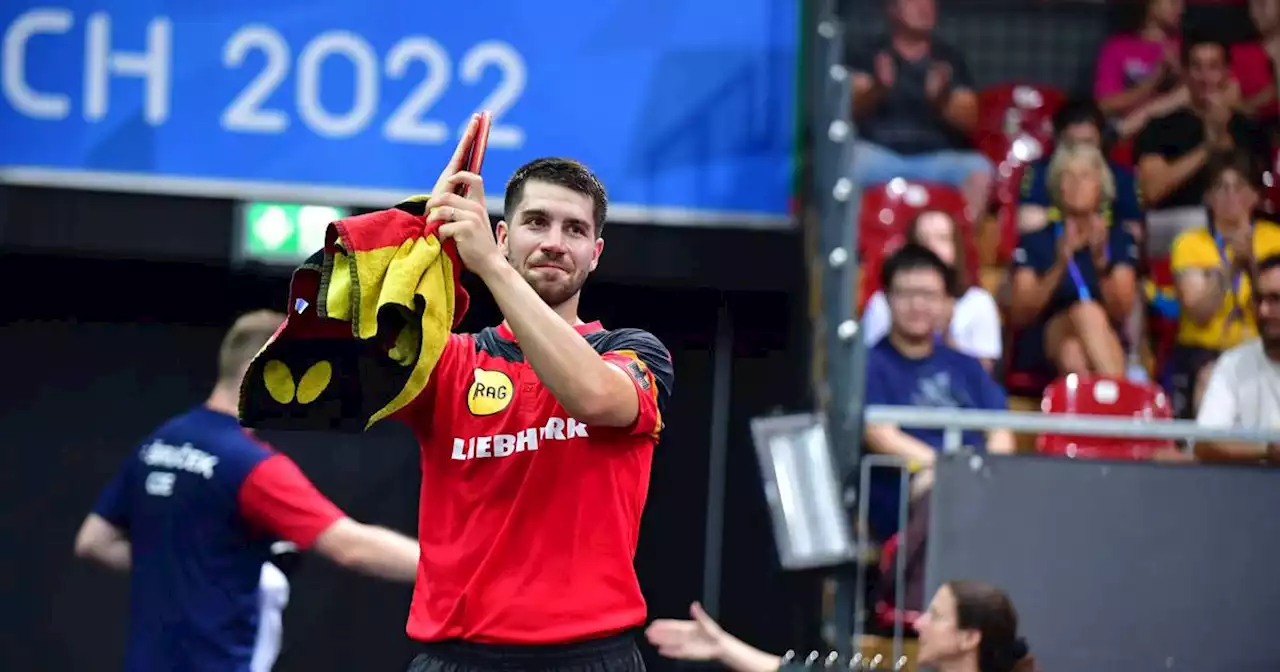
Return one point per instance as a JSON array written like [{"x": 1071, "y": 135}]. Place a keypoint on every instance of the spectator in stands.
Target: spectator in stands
[
  {"x": 1244, "y": 390},
  {"x": 1077, "y": 276},
  {"x": 914, "y": 102},
  {"x": 1173, "y": 150},
  {"x": 911, "y": 367},
  {"x": 1138, "y": 74},
  {"x": 1255, "y": 63},
  {"x": 1079, "y": 122},
  {"x": 1211, "y": 266},
  {"x": 970, "y": 320},
  {"x": 970, "y": 627}
]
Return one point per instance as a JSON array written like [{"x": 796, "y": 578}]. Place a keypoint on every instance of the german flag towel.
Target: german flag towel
[{"x": 368, "y": 318}]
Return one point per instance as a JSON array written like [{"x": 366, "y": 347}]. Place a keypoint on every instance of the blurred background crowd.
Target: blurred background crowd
[{"x": 1058, "y": 206}]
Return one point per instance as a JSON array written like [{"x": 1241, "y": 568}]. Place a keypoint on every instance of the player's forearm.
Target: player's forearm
[
  {"x": 116, "y": 554},
  {"x": 740, "y": 656},
  {"x": 566, "y": 364},
  {"x": 386, "y": 554}
]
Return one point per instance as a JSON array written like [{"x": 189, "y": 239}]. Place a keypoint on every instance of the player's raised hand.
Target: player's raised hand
[
  {"x": 466, "y": 221},
  {"x": 459, "y": 159}
]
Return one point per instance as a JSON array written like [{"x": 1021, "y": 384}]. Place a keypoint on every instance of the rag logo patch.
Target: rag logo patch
[{"x": 490, "y": 392}]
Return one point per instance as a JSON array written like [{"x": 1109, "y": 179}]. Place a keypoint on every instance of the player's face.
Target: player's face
[
  {"x": 1267, "y": 296},
  {"x": 1232, "y": 199},
  {"x": 1081, "y": 187},
  {"x": 916, "y": 300},
  {"x": 941, "y": 638},
  {"x": 551, "y": 240},
  {"x": 1206, "y": 70},
  {"x": 936, "y": 231}
]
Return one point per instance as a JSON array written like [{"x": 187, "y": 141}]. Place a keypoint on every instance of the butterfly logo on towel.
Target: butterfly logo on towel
[{"x": 280, "y": 383}]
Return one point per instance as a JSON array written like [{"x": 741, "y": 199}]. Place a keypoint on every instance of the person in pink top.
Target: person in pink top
[
  {"x": 1254, "y": 63},
  {"x": 1138, "y": 74}
]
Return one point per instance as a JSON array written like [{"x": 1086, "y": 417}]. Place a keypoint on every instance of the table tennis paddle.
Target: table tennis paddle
[{"x": 479, "y": 143}]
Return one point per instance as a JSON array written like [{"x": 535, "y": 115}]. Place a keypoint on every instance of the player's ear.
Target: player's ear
[
  {"x": 595, "y": 255},
  {"x": 500, "y": 235}
]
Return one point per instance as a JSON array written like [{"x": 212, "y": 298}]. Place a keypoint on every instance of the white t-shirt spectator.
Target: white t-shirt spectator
[
  {"x": 1243, "y": 391},
  {"x": 273, "y": 595},
  {"x": 975, "y": 325}
]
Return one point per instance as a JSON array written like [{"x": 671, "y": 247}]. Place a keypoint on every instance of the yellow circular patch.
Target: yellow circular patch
[
  {"x": 279, "y": 381},
  {"x": 314, "y": 382},
  {"x": 490, "y": 392}
]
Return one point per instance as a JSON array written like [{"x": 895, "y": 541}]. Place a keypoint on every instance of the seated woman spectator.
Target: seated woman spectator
[
  {"x": 970, "y": 627},
  {"x": 1077, "y": 276},
  {"x": 1254, "y": 63},
  {"x": 1138, "y": 73},
  {"x": 970, "y": 321},
  {"x": 1212, "y": 267}
]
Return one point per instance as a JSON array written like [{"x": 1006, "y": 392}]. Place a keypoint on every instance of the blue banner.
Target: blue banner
[{"x": 686, "y": 109}]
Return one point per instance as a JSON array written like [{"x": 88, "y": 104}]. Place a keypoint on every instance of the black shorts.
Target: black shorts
[{"x": 617, "y": 653}]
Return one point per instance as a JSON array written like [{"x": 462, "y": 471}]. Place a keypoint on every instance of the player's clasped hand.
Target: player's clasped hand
[{"x": 466, "y": 222}]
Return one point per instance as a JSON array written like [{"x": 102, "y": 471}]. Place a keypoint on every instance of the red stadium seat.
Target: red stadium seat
[
  {"x": 1074, "y": 394},
  {"x": 1015, "y": 127},
  {"x": 886, "y": 212},
  {"x": 886, "y": 614}
]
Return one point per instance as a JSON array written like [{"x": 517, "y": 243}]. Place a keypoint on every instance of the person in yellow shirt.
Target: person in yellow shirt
[{"x": 1212, "y": 267}]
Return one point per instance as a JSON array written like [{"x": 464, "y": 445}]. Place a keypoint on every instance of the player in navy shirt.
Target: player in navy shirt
[
  {"x": 913, "y": 367},
  {"x": 192, "y": 516}
]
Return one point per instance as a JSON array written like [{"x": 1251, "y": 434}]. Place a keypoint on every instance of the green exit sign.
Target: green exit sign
[{"x": 283, "y": 233}]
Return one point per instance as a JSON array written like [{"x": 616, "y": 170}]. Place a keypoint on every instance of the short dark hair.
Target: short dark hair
[
  {"x": 1240, "y": 162},
  {"x": 567, "y": 173},
  {"x": 1201, "y": 39},
  {"x": 914, "y": 257},
  {"x": 1079, "y": 111}
]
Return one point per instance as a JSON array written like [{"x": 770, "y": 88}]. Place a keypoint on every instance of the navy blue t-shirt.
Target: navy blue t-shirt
[
  {"x": 945, "y": 379},
  {"x": 202, "y": 501},
  {"x": 1038, "y": 250}
]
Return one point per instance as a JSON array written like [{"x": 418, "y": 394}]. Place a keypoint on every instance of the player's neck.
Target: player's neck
[
  {"x": 568, "y": 311},
  {"x": 224, "y": 400}
]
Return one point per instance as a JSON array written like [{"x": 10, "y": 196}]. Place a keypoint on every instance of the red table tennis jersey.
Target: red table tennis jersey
[{"x": 528, "y": 518}]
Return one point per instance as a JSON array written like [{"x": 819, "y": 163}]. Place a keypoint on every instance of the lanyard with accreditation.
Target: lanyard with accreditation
[
  {"x": 1236, "y": 277},
  {"x": 1077, "y": 278}
]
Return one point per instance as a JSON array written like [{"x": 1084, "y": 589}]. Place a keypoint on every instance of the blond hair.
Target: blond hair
[
  {"x": 1080, "y": 153},
  {"x": 242, "y": 342}
]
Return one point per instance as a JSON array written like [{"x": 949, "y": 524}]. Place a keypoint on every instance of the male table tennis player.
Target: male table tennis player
[
  {"x": 192, "y": 516},
  {"x": 537, "y": 438}
]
